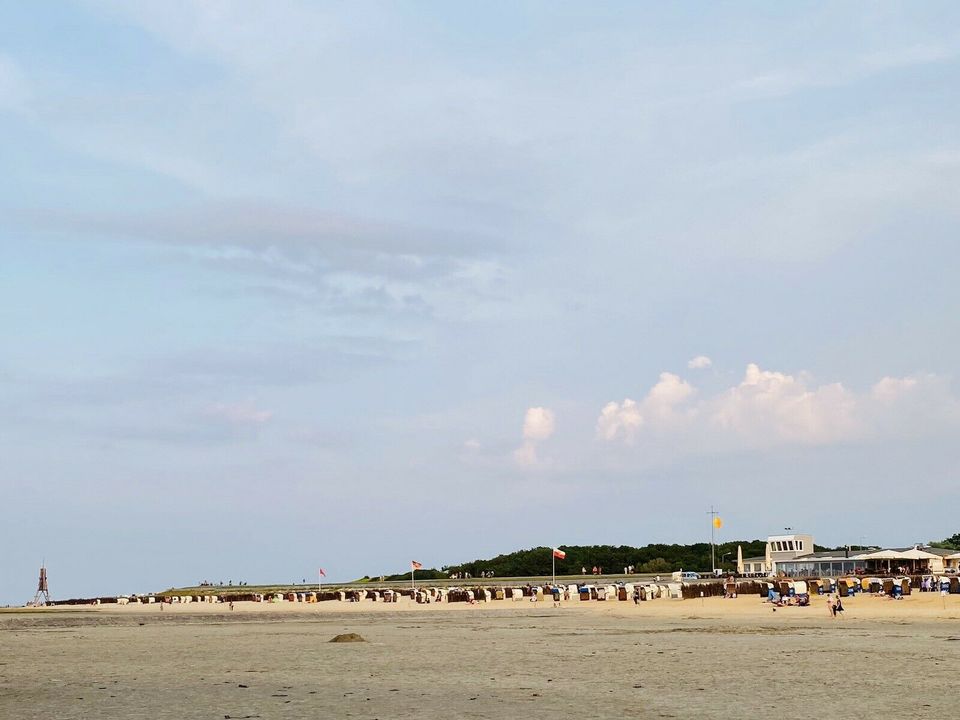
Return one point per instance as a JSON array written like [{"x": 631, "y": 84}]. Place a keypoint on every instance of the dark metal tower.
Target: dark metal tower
[{"x": 43, "y": 590}]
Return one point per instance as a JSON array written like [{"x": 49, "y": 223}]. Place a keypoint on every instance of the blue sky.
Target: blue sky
[{"x": 349, "y": 285}]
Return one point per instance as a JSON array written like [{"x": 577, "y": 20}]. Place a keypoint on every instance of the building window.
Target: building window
[{"x": 789, "y": 544}]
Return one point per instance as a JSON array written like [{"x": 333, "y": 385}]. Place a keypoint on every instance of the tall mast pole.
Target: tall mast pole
[{"x": 713, "y": 559}]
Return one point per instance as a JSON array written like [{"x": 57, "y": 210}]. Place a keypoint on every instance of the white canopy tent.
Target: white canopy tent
[{"x": 918, "y": 554}]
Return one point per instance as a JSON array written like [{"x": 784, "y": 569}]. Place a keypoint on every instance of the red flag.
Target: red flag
[
  {"x": 323, "y": 573},
  {"x": 559, "y": 554},
  {"x": 414, "y": 565}
]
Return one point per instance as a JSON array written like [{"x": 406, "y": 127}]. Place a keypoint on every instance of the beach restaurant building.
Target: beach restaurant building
[{"x": 794, "y": 556}]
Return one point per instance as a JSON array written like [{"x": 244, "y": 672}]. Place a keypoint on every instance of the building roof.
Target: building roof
[{"x": 942, "y": 552}]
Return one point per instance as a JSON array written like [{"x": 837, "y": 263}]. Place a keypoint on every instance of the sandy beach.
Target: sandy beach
[{"x": 710, "y": 658}]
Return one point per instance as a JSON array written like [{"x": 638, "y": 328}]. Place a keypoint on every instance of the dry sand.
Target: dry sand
[{"x": 710, "y": 658}]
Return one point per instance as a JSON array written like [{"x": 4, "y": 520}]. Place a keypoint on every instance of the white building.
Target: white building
[{"x": 780, "y": 548}]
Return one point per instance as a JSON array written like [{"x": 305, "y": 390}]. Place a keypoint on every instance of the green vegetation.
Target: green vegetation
[
  {"x": 950, "y": 543},
  {"x": 647, "y": 559}
]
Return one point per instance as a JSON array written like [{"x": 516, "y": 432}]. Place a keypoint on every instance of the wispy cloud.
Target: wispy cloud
[
  {"x": 700, "y": 362},
  {"x": 240, "y": 414}
]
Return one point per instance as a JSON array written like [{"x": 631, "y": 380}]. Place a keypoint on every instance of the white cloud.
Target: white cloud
[
  {"x": 538, "y": 424},
  {"x": 700, "y": 362},
  {"x": 768, "y": 409},
  {"x": 665, "y": 398},
  {"x": 663, "y": 407},
  {"x": 771, "y": 407},
  {"x": 619, "y": 420},
  {"x": 891, "y": 389}
]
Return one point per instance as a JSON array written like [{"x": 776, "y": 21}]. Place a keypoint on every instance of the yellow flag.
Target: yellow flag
[{"x": 717, "y": 523}]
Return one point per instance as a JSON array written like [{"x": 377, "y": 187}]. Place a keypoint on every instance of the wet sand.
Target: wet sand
[{"x": 713, "y": 658}]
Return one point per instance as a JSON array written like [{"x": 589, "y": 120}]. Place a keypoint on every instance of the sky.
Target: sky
[{"x": 295, "y": 285}]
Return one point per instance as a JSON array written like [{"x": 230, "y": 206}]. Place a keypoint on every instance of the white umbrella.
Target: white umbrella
[
  {"x": 739, "y": 560},
  {"x": 882, "y": 555},
  {"x": 768, "y": 558},
  {"x": 917, "y": 554}
]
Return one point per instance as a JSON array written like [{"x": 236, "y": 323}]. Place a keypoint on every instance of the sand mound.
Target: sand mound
[{"x": 349, "y": 637}]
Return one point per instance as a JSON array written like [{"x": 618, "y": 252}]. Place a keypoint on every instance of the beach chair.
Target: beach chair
[
  {"x": 622, "y": 593},
  {"x": 887, "y": 585}
]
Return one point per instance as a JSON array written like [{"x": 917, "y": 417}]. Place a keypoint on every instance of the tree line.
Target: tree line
[
  {"x": 950, "y": 543},
  {"x": 653, "y": 558}
]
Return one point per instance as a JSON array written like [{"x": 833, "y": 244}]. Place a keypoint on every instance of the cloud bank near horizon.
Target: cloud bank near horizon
[{"x": 770, "y": 408}]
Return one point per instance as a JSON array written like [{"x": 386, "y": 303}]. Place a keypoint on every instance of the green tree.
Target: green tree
[{"x": 950, "y": 543}]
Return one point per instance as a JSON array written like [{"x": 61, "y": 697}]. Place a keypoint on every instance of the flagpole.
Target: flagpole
[
  {"x": 412, "y": 585},
  {"x": 320, "y": 580},
  {"x": 553, "y": 556}
]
